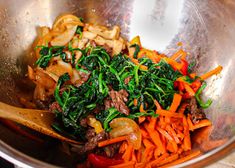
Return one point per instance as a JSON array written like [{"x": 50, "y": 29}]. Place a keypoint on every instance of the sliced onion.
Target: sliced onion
[
  {"x": 65, "y": 37},
  {"x": 60, "y": 68},
  {"x": 66, "y": 19},
  {"x": 125, "y": 126}
]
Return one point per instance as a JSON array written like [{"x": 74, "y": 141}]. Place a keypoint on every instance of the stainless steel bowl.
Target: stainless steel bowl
[{"x": 206, "y": 29}]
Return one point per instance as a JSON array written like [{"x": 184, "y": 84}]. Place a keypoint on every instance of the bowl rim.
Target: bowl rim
[{"x": 22, "y": 160}]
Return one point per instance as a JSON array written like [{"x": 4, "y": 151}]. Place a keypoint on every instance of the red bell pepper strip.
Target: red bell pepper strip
[
  {"x": 184, "y": 68},
  {"x": 102, "y": 162}
]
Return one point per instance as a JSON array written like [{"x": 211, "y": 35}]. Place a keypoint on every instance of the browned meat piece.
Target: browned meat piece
[
  {"x": 90, "y": 133},
  {"x": 84, "y": 78},
  {"x": 55, "y": 106},
  {"x": 196, "y": 113},
  {"x": 127, "y": 80},
  {"x": 117, "y": 99},
  {"x": 98, "y": 109},
  {"x": 83, "y": 122},
  {"x": 111, "y": 150},
  {"x": 93, "y": 141},
  {"x": 41, "y": 104}
]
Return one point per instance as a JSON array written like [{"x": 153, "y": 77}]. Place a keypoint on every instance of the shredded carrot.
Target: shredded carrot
[
  {"x": 157, "y": 104},
  {"x": 192, "y": 75},
  {"x": 139, "y": 155},
  {"x": 172, "y": 133},
  {"x": 141, "y": 119},
  {"x": 183, "y": 159},
  {"x": 135, "y": 102},
  {"x": 165, "y": 134},
  {"x": 129, "y": 164},
  {"x": 144, "y": 133},
  {"x": 154, "y": 135},
  {"x": 202, "y": 123},
  {"x": 128, "y": 153},
  {"x": 158, "y": 160},
  {"x": 123, "y": 147},
  {"x": 176, "y": 102},
  {"x": 173, "y": 63},
  {"x": 157, "y": 153},
  {"x": 178, "y": 54},
  {"x": 212, "y": 72},
  {"x": 148, "y": 144},
  {"x": 187, "y": 141},
  {"x": 190, "y": 124},
  {"x": 112, "y": 141},
  {"x": 189, "y": 89},
  {"x": 152, "y": 123},
  {"x": 168, "y": 159},
  {"x": 169, "y": 114},
  {"x": 133, "y": 156}
]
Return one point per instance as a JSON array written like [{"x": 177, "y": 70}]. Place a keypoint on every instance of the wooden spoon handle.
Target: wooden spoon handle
[{"x": 39, "y": 120}]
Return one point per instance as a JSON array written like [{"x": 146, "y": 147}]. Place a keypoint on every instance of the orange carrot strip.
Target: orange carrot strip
[
  {"x": 123, "y": 147},
  {"x": 112, "y": 141},
  {"x": 129, "y": 164},
  {"x": 154, "y": 135},
  {"x": 128, "y": 153},
  {"x": 152, "y": 123},
  {"x": 141, "y": 119},
  {"x": 157, "y": 153},
  {"x": 190, "y": 124},
  {"x": 202, "y": 123},
  {"x": 144, "y": 133},
  {"x": 178, "y": 54},
  {"x": 169, "y": 159},
  {"x": 169, "y": 114},
  {"x": 135, "y": 102},
  {"x": 189, "y": 89},
  {"x": 173, "y": 63},
  {"x": 133, "y": 156},
  {"x": 187, "y": 141},
  {"x": 212, "y": 72},
  {"x": 139, "y": 155},
  {"x": 192, "y": 75},
  {"x": 183, "y": 159},
  {"x": 157, "y": 104},
  {"x": 180, "y": 135},
  {"x": 142, "y": 109},
  {"x": 172, "y": 133},
  {"x": 148, "y": 144},
  {"x": 165, "y": 134},
  {"x": 158, "y": 160},
  {"x": 176, "y": 102}
]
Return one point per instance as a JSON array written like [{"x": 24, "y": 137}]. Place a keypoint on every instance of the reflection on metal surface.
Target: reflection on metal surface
[
  {"x": 158, "y": 20},
  {"x": 206, "y": 28}
]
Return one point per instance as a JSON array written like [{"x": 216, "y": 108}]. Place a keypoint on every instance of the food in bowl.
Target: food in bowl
[{"x": 128, "y": 105}]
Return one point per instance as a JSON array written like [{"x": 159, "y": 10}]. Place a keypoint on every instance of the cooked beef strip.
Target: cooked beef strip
[
  {"x": 84, "y": 77},
  {"x": 55, "y": 106},
  {"x": 117, "y": 99},
  {"x": 127, "y": 80},
  {"x": 83, "y": 122},
  {"x": 111, "y": 150},
  {"x": 196, "y": 113},
  {"x": 93, "y": 141}
]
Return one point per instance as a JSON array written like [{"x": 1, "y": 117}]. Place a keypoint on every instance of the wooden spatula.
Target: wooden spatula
[{"x": 39, "y": 120}]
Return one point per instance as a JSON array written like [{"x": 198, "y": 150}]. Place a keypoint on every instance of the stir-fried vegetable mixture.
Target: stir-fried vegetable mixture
[{"x": 117, "y": 97}]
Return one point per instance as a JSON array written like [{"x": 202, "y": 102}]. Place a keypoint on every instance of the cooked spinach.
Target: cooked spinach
[
  {"x": 46, "y": 53},
  {"x": 145, "y": 85}
]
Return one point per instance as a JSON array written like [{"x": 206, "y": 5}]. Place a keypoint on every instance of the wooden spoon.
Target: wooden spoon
[{"x": 39, "y": 120}]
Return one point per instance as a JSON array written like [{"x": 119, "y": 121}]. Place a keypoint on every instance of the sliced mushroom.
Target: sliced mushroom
[
  {"x": 107, "y": 34},
  {"x": 60, "y": 68},
  {"x": 64, "y": 38},
  {"x": 75, "y": 76},
  {"x": 81, "y": 44},
  {"x": 101, "y": 41},
  {"x": 131, "y": 50},
  {"x": 118, "y": 46},
  {"x": 89, "y": 35}
]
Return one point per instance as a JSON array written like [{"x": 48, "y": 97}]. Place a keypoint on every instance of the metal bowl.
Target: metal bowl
[{"x": 206, "y": 29}]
